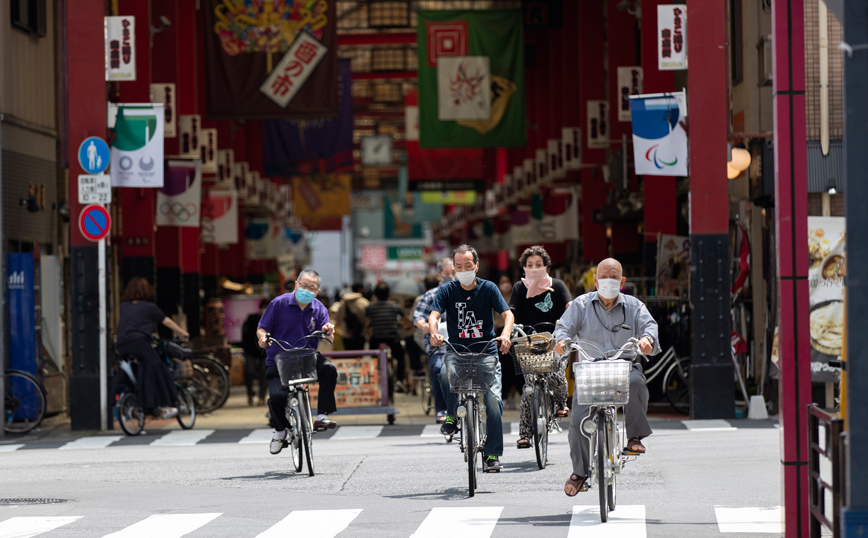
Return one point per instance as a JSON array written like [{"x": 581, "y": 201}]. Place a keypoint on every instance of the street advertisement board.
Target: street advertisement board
[
  {"x": 827, "y": 255},
  {"x": 358, "y": 383}
]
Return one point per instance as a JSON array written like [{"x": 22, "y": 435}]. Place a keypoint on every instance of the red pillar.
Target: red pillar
[{"x": 791, "y": 222}]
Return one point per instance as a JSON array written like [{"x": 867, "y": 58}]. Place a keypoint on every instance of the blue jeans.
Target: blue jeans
[
  {"x": 493, "y": 411},
  {"x": 435, "y": 363}
]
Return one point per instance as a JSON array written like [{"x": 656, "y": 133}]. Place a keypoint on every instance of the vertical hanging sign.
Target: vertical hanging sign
[
  {"x": 671, "y": 37},
  {"x": 629, "y": 83},
  {"x": 120, "y": 48},
  {"x": 598, "y": 124},
  {"x": 165, "y": 93}
]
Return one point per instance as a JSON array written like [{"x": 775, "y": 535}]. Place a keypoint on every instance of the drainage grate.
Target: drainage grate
[{"x": 16, "y": 502}]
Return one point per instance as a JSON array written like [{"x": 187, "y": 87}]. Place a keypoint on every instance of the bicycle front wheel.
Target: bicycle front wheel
[
  {"x": 24, "y": 402},
  {"x": 186, "y": 408},
  {"x": 676, "y": 382},
  {"x": 602, "y": 460},
  {"x": 539, "y": 416},
  {"x": 307, "y": 432},
  {"x": 131, "y": 417},
  {"x": 470, "y": 447},
  {"x": 296, "y": 446},
  {"x": 210, "y": 384}
]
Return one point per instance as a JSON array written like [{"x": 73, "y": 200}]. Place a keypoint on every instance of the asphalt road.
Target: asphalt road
[{"x": 710, "y": 480}]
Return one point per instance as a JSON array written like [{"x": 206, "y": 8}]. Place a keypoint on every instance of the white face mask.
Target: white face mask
[
  {"x": 466, "y": 277},
  {"x": 608, "y": 288}
]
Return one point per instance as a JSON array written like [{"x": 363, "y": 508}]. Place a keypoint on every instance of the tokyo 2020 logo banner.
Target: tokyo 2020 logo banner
[
  {"x": 179, "y": 201},
  {"x": 659, "y": 140}
]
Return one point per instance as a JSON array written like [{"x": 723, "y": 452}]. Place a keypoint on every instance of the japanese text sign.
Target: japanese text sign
[
  {"x": 120, "y": 48},
  {"x": 671, "y": 37},
  {"x": 293, "y": 69}
]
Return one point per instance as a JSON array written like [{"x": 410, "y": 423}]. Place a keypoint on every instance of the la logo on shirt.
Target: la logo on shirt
[{"x": 467, "y": 324}]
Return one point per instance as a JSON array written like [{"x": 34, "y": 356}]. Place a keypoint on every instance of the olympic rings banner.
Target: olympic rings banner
[
  {"x": 137, "y": 149},
  {"x": 179, "y": 201}
]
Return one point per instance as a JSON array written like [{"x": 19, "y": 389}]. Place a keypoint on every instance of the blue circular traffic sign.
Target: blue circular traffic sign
[
  {"x": 94, "y": 155},
  {"x": 94, "y": 222}
]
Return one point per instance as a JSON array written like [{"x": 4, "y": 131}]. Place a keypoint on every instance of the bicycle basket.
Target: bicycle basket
[
  {"x": 183, "y": 369},
  {"x": 602, "y": 382},
  {"x": 535, "y": 354},
  {"x": 296, "y": 366},
  {"x": 471, "y": 371}
]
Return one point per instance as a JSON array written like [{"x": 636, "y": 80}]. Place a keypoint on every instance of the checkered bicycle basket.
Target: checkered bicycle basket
[
  {"x": 296, "y": 366},
  {"x": 535, "y": 354},
  {"x": 471, "y": 372},
  {"x": 602, "y": 382}
]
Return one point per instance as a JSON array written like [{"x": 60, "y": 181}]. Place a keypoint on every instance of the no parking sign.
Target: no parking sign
[{"x": 94, "y": 222}]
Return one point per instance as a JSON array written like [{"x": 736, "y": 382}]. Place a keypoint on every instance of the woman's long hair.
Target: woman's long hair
[{"x": 138, "y": 289}]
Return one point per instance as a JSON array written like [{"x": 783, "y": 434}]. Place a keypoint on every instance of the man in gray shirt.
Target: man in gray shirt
[{"x": 607, "y": 319}]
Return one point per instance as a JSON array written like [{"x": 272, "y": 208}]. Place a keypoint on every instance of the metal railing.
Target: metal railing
[{"x": 829, "y": 444}]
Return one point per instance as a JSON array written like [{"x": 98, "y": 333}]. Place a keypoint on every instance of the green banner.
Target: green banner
[
  {"x": 471, "y": 79},
  {"x": 405, "y": 253}
]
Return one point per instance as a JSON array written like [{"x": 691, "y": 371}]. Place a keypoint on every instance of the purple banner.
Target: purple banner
[{"x": 313, "y": 146}]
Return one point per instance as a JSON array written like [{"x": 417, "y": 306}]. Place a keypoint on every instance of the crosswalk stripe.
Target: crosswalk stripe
[
  {"x": 514, "y": 428},
  {"x": 164, "y": 526},
  {"x": 749, "y": 519},
  {"x": 262, "y": 435},
  {"x": 708, "y": 425},
  {"x": 96, "y": 441},
  {"x": 25, "y": 527},
  {"x": 623, "y": 521},
  {"x": 182, "y": 438},
  {"x": 312, "y": 523},
  {"x": 431, "y": 430},
  {"x": 357, "y": 432},
  {"x": 10, "y": 448},
  {"x": 459, "y": 522}
]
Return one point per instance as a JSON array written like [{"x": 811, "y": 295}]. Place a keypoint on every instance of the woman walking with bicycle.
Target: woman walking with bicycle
[
  {"x": 539, "y": 301},
  {"x": 608, "y": 319}
]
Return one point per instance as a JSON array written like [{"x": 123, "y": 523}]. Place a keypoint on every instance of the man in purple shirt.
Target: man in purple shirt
[{"x": 290, "y": 318}]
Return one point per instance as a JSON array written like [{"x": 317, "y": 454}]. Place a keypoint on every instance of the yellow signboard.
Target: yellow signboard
[{"x": 449, "y": 197}]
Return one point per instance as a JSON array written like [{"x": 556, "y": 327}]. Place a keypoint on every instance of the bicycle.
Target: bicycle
[
  {"x": 535, "y": 358},
  {"x": 130, "y": 415},
  {"x": 676, "y": 380},
  {"x": 603, "y": 382},
  {"x": 297, "y": 368},
  {"x": 209, "y": 383},
  {"x": 23, "y": 401},
  {"x": 471, "y": 375}
]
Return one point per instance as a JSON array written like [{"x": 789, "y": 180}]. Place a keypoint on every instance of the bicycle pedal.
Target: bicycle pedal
[{"x": 628, "y": 453}]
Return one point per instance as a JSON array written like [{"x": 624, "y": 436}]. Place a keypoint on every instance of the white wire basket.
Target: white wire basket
[{"x": 602, "y": 382}]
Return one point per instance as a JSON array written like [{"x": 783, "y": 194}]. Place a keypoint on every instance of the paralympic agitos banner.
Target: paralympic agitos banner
[
  {"x": 247, "y": 41},
  {"x": 471, "y": 79},
  {"x": 659, "y": 140}
]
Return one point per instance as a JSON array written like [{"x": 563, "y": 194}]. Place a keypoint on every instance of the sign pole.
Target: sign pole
[{"x": 103, "y": 342}]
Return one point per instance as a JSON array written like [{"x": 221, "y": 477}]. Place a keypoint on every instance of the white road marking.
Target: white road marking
[
  {"x": 312, "y": 524},
  {"x": 626, "y": 521},
  {"x": 756, "y": 520},
  {"x": 431, "y": 430},
  {"x": 357, "y": 432},
  {"x": 262, "y": 435},
  {"x": 514, "y": 428},
  {"x": 25, "y": 527},
  {"x": 95, "y": 441},
  {"x": 713, "y": 425},
  {"x": 182, "y": 438},
  {"x": 164, "y": 526},
  {"x": 459, "y": 522},
  {"x": 10, "y": 448}
]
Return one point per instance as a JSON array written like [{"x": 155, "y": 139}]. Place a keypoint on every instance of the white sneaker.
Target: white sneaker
[{"x": 278, "y": 442}]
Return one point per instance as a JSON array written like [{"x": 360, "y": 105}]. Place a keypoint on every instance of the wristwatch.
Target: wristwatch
[{"x": 649, "y": 337}]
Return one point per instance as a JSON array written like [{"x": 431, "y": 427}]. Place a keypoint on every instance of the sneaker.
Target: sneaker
[
  {"x": 492, "y": 465},
  {"x": 449, "y": 427},
  {"x": 168, "y": 412},
  {"x": 441, "y": 417},
  {"x": 279, "y": 442},
  {"x": 323, "y": 424}
]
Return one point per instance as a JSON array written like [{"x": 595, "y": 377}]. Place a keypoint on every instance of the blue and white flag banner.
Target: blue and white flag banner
[{"x": 659, "y": 140}]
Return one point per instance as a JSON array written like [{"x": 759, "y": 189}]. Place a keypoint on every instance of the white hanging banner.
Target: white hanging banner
[
  {"x": 542, "y": 168},
  {"x": 220, "y": 217},
  {"x": 528, "y": 177},
  {"x": 629, "y": 83},
  {"x": 598, "y": 124},
  {"x": 178, "y": 202},
  {"x": 463, "y": 88},
  {"x": 120, "y": 48},
  {"x": 137, "y": 148},
  {"x": 671, "y": 37},
  {"x": 165, "y": 93},
  {"x": 572, "y": 140},
  {"x": 189, "y": 127},
  {"x": 659, "y": 140},
  {"x": 556, "y": 159},
  {"x": 208, "y": 151},
  {"x": 291, "y": 72},
  {"x": 226, "y": 168}
]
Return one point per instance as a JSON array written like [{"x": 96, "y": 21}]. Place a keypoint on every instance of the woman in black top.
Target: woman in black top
[
  {"x": 138, "y": 316},
  {"x": 540, "y": 299}
]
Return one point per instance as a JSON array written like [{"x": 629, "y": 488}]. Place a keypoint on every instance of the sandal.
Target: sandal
[
  {"x": 635, "y": 446},
  {"x": 563, "y": 412},
  {"x": 576, "y": 483},
  {"x": 524, "y": 442}
]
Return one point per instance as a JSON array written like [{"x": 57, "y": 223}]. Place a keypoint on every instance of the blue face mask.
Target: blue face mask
[{"x": 304, "y": 296}]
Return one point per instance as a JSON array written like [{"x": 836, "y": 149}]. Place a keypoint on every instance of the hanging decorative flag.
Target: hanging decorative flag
[
  {"x": 659, "y": 140},
  {"x": 271, "y": 59},
  {"x": 178, "y": 202},
  {"x": 137, "y": 149},
  {"x": 471, "y": 79},
  {"x": 321, "y": 202},
  {"x": 220, "y": 217}
]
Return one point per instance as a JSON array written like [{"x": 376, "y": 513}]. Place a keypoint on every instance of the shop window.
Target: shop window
[{"x": 29, "y": 16}]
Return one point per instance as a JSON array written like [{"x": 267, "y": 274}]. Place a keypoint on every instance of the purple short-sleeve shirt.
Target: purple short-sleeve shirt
[{"x": 286, "y": 321}]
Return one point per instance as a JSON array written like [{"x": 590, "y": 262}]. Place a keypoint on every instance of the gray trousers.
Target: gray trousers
[{"x": 636, "y": 422}]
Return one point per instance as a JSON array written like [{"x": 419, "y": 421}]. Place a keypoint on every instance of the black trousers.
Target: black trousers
[
  {"x": 155, "y": 386},
  {"x": 397, "y": 354},
  {"x": 327, "y": 375}
]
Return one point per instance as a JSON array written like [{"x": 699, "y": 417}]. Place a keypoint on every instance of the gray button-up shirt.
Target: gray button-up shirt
[{"x": 588, "y": 319}]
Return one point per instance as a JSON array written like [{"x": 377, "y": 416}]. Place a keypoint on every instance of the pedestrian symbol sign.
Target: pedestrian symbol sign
[
  {"x": 94, "y": 222},
  {"x": 94, "y": 155}
]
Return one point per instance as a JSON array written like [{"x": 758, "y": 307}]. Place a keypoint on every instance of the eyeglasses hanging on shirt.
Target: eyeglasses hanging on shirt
[{"x": 616, "y": 328}]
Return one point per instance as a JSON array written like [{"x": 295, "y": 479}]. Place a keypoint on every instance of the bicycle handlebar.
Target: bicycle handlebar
[
  {"x": 486, "y": 342},
  {"x": 526, "y": 330},
  {"x": 286, "y": 346},
  {"x": 630, "y": 345}
]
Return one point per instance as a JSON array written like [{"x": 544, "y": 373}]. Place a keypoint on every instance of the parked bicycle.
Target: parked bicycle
[
  {"x": 676, "y": 380},
  {"x": 209, "y": 383},
  {"x": 297, "y": 369},
  {"x": 130, "y": 415},
  {"x": 471, "y": 375},
  {"x": 23, "y": 402},
  {"x": 535, "y": 358},
  {"x": 603, "y": 382}
]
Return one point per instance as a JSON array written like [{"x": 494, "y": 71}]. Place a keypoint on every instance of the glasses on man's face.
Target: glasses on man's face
[{"x": 307, "y": 287}]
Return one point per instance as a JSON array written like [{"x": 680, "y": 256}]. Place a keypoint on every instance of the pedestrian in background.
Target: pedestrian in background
[
  {"x": 254, "y": 356},
  {"x": 384, "y": 316},
  {"x": 351, "y": 319}
]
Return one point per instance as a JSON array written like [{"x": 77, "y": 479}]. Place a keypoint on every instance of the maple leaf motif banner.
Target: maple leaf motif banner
[
  {"x": 471, "y": 79},
  {"x": 292, "y": 45}
]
